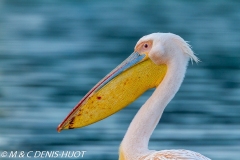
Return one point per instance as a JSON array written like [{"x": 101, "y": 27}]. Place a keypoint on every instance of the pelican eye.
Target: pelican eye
[{"x": 145, "y": 45}]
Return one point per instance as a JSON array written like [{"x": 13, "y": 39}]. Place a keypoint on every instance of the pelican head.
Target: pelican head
[
  {"x": 162, "y": 48},
  {"x": 145, "y": 68}
]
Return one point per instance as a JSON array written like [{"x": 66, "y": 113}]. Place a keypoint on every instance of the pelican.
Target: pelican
[{"x": 159, "y": 61}]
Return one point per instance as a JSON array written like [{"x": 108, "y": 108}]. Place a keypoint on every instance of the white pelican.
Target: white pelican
[{"x": 159, "y": 60}]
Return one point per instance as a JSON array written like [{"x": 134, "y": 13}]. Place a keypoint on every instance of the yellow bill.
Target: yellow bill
[{"x": 118, "y": 89}]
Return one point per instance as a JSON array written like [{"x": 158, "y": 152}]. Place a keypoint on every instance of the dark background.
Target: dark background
[{"x": 53, "y": 52}]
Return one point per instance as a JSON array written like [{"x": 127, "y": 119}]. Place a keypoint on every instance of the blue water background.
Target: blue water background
[{"x": 53, "y": 52}]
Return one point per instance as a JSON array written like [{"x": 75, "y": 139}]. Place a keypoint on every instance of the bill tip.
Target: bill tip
[{"x": 59, "y": 128}]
